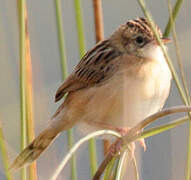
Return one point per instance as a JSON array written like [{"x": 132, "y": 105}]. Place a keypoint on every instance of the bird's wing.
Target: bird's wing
[{"x": 98, "y": 65}]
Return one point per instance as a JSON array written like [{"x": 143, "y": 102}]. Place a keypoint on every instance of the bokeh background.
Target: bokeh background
[{"x": 165, "y": 158}]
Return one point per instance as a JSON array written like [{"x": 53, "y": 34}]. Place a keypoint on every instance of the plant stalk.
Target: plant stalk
[
  {"x": 81, "y": 43},
  {"x": 29, "y": 99},
  {"x": 63, "y": 61},
  {"x": 22, "y": 48}
]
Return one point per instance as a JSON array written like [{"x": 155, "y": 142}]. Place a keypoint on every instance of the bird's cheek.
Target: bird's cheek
[{"x": 130, "y": 48}]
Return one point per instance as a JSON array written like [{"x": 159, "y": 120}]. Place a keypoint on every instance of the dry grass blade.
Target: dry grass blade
[{"x": 29, "y": 98}]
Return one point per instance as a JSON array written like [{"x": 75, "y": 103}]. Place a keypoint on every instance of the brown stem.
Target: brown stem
[
  {"x": 103, "y": 165},
  {"x": 29, "y": 96},
  {"x": 98, "y": 19}
]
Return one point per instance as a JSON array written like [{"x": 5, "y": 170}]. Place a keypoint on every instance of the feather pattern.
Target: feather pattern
[{"x": 97, "y": 65}]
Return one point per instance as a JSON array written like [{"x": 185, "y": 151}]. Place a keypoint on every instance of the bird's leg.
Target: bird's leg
[
  {"x": 115, "y": 148},
  {"x": 124, "y": 131}
]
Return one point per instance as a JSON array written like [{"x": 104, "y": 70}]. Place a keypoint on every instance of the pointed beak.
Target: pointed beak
[{"x": 165, "y": 40}]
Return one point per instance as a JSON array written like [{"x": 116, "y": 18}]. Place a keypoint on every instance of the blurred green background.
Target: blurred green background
[{"x": 165, "y": 158}]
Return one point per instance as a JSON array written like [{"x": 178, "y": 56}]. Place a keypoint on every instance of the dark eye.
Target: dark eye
[{"x": 139, "y": 40}]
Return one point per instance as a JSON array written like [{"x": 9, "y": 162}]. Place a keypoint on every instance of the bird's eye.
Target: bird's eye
[{"x": 139, "y": 40}]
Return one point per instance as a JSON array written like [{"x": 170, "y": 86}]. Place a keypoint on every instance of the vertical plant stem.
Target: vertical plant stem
[
  {"x": 22, "y": 79},
  {"x": 98, "y": 20},
  {"x": 99, "y": 32},
  {"x": 60, "y": 30},
  {"x": 93, "y": 156},
  {"x": 29, "y": 99},
  {"x": 63, "y": 61},
  {"x": 80, "y": 27},
  {"x": 174, "y": 14},
  {"x": 81, "y": 42},
  {"x": 171, "y": 22},
  {"x": 4, "y": 155},
  {"x": 178, "y": 53}
]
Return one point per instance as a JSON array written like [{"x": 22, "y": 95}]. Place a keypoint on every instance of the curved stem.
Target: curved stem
[
  {"x": 132, "y": 134},
  {"x": 76, "y": 147}
]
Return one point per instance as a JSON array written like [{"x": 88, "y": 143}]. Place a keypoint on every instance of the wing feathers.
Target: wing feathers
[
  {"x": 98, "y": 65},
  {"x": 71, "y": 84}
]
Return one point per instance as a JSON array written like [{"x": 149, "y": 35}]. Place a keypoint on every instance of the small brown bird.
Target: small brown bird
[{"x": 117, "y": 84}]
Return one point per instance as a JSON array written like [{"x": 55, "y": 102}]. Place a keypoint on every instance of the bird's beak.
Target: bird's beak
[{"x": 165, "y": 40}]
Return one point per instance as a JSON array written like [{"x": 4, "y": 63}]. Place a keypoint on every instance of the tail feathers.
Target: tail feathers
[{"x": 34, "y": 150}]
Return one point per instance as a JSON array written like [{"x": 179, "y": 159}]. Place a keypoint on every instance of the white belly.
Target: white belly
[{"x": 126, "y": 103}]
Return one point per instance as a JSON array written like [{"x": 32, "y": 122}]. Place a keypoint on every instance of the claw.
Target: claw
[{"x": 142, "y": 143}]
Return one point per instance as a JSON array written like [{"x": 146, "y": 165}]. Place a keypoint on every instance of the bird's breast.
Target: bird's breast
[{"x": 127, "y": 98}]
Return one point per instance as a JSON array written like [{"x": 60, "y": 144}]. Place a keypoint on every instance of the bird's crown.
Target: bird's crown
[{"x": 141, "y": 26}]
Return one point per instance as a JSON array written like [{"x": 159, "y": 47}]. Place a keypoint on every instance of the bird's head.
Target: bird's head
[{"x": 137, "y": 38}]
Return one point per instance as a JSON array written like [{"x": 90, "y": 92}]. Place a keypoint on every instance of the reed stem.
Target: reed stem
[
  {"x": 29, "y": 99},
  {"x": 63, "y": 61},
  {"x": 22, "y": 48},
  {"x": 81, "y": 43}
]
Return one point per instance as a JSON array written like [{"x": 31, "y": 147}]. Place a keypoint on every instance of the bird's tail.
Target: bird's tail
[{"x": 35, "y": 148}]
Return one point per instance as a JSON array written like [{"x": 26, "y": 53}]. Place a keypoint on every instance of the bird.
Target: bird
[{"x": 119, "y": 82}]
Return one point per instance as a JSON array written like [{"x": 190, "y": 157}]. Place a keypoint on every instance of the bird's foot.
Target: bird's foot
[
  {"x": 123, "y": 131},
  {"x": 115, "y": 148}
]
